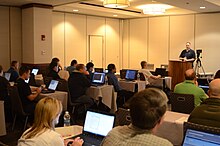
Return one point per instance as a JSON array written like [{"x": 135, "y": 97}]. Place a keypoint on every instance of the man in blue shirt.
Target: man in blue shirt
[
  {"x": 188, "y": 54},
  {"x": 14, "y": 71},
  {"x": 122, "y": 95}
]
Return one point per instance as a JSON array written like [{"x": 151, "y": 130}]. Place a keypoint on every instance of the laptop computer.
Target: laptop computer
[
  {"x": 160, "y": 71},
  {"x": 96, "y": 127},
  {"x": 131, "y": 75},
  {"x": 51, "y": 88},
  {"x": 98, "y": 79},
  {"x": 204, "y": 84},
  {"x": 100, "y": 70},
  {"x": 34, "y": 71},
  {"x": 123, "y": 73},
  {"x": 7, "y": 75},
  {"x": 195, "y": 137}
]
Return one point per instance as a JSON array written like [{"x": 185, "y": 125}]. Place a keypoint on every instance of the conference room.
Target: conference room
[{"x": 104, "y": 32}]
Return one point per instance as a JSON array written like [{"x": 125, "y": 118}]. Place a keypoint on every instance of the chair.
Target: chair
[
  {"x": 183, "y": 103},
  {"x": 17, "y": 108},
  {"x": 62, "y": 85},
  {"x": 122, "y": 117},
  {"x": 142, "y": 77}
]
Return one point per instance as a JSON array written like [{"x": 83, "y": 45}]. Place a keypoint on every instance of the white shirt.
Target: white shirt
[
  {"x": 48, "y": 138},
  {"x": 146, "y": 74}
]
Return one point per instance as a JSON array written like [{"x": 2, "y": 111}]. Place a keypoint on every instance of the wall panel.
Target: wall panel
[{"x": 158, "y": 40}]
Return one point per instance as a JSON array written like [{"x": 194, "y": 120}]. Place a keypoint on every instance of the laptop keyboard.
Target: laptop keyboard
[{"x": 90, "y": 140}]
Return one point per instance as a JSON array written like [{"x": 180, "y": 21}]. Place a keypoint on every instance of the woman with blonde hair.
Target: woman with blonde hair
[{"x": 42, "y": 132}]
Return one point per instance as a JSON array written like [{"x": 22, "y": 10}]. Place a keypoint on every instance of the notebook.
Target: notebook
[
  {"x": 7, "y": 76},
  {"x": 98, "y": 79},
  {"x": 96, "y": 127},
  {"x": 160, "y": 71},
  {"x": 131, "y": 75},
  {"x": 200, "y": 138},
  {"x": 34, "y": 71},
  {"x": 51, "y": 88}
]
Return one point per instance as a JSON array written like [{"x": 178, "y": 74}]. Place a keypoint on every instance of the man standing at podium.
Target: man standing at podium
[{"x": 188, "y": 54}]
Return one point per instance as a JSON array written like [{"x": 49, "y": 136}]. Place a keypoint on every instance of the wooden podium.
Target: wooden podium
[{"x": 177, "y": 70}]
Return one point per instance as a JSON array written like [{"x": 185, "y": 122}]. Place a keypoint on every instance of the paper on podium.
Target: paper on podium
[{"x": 69, "y": 131}]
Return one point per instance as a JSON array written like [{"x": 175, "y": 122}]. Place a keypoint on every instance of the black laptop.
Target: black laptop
[
  {"x": 202, "y": 137},
  {"x": 131, "y": 75},
  {"x": 123, "y": 73},
  {"x": 96, "y": 127},
  {"x": 98, "y": 79},
  {"x": 7, "y": 75},
  {"x": 51, "y": 88},
  {"x": 160, "y": 71},
  {"x": 34, "y": 71},
  {"x": 204, "y": 83}
]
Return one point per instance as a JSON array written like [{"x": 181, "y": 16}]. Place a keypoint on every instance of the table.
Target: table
[
  {"x": 2, "y": 119},
  {"x": 161, "y": 82},
  {"x": 60, "y": 95},
  {"x": 69, "y": 131},
  {"x": 131, "y": 85},
  {"x": 107, "y": 94},
  {"x": 172, "y": 127}
]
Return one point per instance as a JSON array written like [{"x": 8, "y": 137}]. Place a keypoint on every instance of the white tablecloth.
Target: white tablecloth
[
  {"x": 107, "y": 94},
  {"x": 172, "y": 127},
  {"x": 160, "y": 82},
  {"x": 69, "y": 131},
  {"x": 130, "y": 85},
  {"x": 2, "y": 119},
  {"x": 61, "y": 96}
]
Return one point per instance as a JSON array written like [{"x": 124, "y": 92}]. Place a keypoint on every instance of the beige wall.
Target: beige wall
[
  {"x": 71, "y": 37},
  {"x": 164, "y": 37},
  {"x": 10, "y": 35}
]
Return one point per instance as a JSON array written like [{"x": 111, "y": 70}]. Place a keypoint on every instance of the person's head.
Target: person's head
[
  {"x": 217, "y": 74},
  {"x": 143, "y": 64},
  {"x": 214, "y": 88},
  {"x": 147, "y": 108},
  {"x": 55, "y": 59},
  {"x": 54, "y": 66},
  {"x": 15, "y": 64},
  {"x": 188, "y": 45},
  {"x": 111, "y": 68},
  {"x": 89, "y": 66},
  {"x": 190, "y": 74},
  {"x": 81, "y": 68},
  {"x": 73, "y": 63},
  {"x": 1, "y": 71},
  {"x": 24, "y": 72},
  {"x": 46, "y": 116}
]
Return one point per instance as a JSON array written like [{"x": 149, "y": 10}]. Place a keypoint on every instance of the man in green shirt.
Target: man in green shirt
[
  {"x": 189, "y": 86},
  {"x": 208, "y": 113}
]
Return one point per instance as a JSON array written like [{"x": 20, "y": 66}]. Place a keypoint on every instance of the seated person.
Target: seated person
[
  {"x": 208, "y": 113},
  {"x": 57, "y": 60},
  {"x": 122, "y": 95},
  {"x": 72, "y": 66},
  {"x": 27, "y": 97},
  {"x": 217, "y": 74},
  {"x": 147, "y": 74},
  {"x": 53, "y": 71},
  {"x": 14, "y": 71},
  {"x": 4, "y": 96},
  {"x": 42, "y": 132},
  {"x": 3, "y": 86},
  {"x": 189, "y": 86},
  {"x": 89, "y": 68},
  {"x": 147, "y": 109},
  {"x": 78, "y": 85}
]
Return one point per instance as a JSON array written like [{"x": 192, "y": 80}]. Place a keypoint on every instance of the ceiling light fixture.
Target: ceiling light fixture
[
  {"x": 202, "y": 7},
  {"x": 75, "y": 10},
  {"x": 116, "y": 3},
  {"x": 154, "y": 9},
  {"x": 115, "y": 15}
]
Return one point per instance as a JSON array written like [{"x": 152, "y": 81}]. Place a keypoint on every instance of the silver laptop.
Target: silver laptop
[
  {"x": 98, "y": 79},
  {"x": 96, "y": 127},
  {"x": 34, "y": 71},
  {"x": 52, "y": 87},
  {"x": 7, "y": 76}
]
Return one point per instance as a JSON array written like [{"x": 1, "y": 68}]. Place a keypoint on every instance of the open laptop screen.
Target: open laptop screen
[
  {"x": 7, "y": 76},
  {"x": 98, "y": 123},
  {"x": 98, "y": 78},
  {"x": 34, "y": 71},
  {"x": 200, "y": 138},
  {"x": 130, "y": 74},
  {"x": 53, "y": 85}
]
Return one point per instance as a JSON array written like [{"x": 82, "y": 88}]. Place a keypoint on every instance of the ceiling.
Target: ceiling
[{"x": 95, "y": 7}]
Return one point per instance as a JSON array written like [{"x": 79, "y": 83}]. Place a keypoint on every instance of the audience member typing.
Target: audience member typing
[{"x": 14, "y": 71}]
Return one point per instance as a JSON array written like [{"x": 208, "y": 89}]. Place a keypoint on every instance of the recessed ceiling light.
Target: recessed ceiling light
[
  {"x": 115, "y": 15},
  {"x": 202, "y": 7},
  {"x": 75, "y": 10}
]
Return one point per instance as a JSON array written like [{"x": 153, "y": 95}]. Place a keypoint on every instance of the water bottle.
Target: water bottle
[
  {"x": 66, "y": 118},
  {"x": 138, "y": 76},
  {"x": 106, "y": 80}
]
